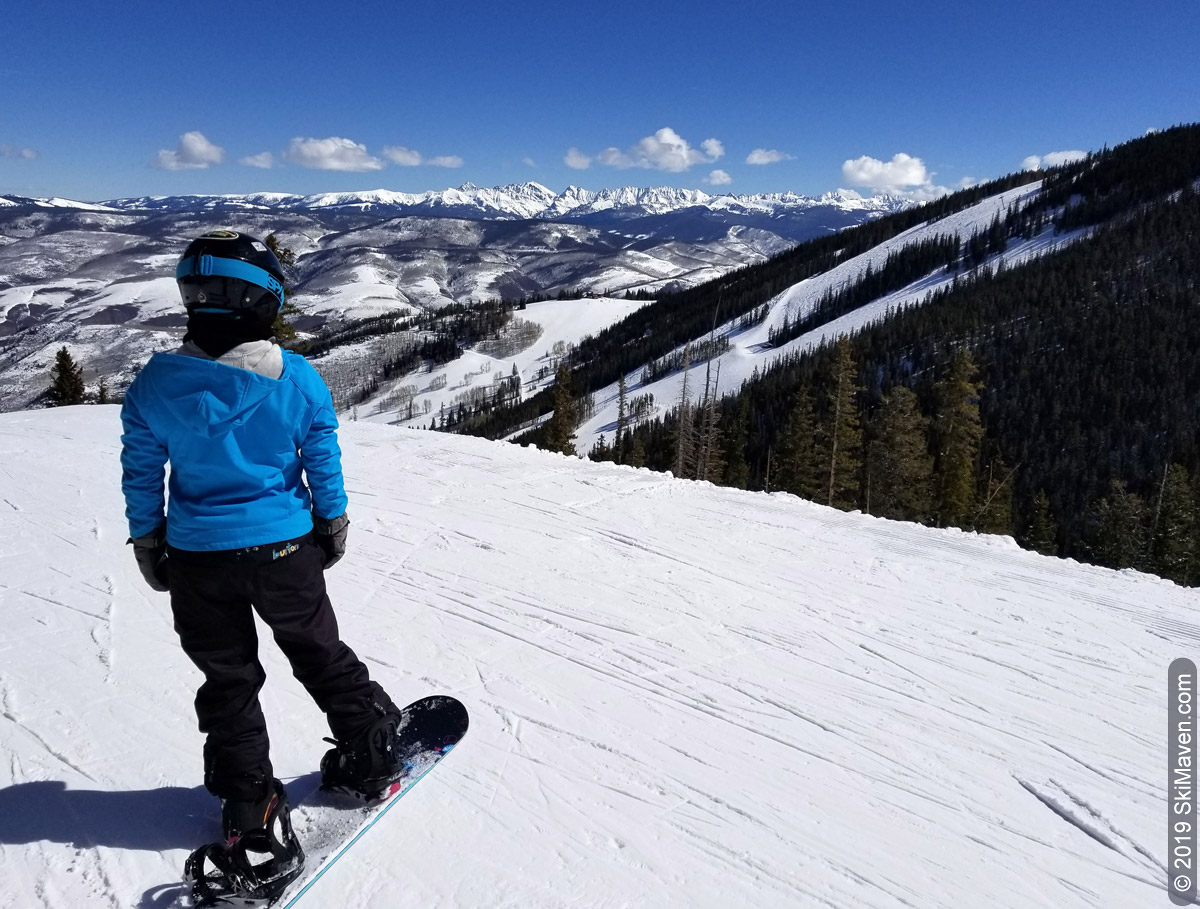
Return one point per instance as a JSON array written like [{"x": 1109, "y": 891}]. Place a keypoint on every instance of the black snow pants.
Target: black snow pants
[{"x": 212, "y": 598}]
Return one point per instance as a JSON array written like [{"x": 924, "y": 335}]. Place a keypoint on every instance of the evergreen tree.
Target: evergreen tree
[
  {"x": 900, "y": 466},
  {"x": 1120, "y": 528},
  {"x": 685, "y": 438},
  {"x": 561, "y": 428},
  {"x": 622, "y": 418},
  {"x": 102, "y": 396},
  {"x": 67, "y": 375},
  {"x": 637, "y": 457},
  {"x": 737, "y": 471},
  {"x": 1042, "y": 535},
  {"x": 283, "y": 329},
  {"x": 1173, "y": 547},
  {"x": 601, "y": 451},
  {"x": 958, "y": 431},
  {"x": 799, "y": 467},
  {"x": 712, "y": 468},
  {"x": 844, "y": 430}
]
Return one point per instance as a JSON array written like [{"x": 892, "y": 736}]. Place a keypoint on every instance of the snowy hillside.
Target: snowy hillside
[
  {"x": 681, "y": 696},
  {"x": 562, "y": 323},
  {"x": 749, "y": 349}
]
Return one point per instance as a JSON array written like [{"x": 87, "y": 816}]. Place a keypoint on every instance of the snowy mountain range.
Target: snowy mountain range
[
  {"x": 99, "y": 276},
  {"x": 521, "y": 201}
]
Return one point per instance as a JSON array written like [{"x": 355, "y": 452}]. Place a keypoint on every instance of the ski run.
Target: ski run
[
  {"x": 567, "y": 322},
  {"x": 681, "y": 695}
]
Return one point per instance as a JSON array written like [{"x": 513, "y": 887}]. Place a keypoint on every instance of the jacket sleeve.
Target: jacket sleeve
[
  {"x": 143, "y": 470},
  {"x": 321, "y": 456}
]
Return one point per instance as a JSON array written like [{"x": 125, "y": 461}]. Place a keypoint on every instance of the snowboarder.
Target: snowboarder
[{"x": 255, "y": 512}]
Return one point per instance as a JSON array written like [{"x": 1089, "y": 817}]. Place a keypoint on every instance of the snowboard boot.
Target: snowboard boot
[
  {"x": 239, "y": 817},
  {"x": 368, "y": 766},
  {"x": 260, "y": 855}
]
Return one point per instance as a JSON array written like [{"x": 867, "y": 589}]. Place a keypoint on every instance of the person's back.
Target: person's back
[
  {"x": 256, "y": 512},
  {"x": 239, "y": 442}
]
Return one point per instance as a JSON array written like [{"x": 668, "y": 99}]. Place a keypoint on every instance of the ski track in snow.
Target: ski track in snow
[{"x": 681, "y": 695}]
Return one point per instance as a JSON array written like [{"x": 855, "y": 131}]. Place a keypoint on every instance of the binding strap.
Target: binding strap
[{"x": 232, "y": 874}]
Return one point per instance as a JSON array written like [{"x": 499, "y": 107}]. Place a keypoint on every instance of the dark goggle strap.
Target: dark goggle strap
[{"x": 206, "y": 265}]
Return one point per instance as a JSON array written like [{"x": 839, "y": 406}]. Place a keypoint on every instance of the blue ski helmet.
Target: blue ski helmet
[{"x": 225, "y": 272}]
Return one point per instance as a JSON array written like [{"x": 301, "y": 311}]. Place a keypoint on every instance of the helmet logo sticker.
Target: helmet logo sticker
[{"x": 220, "y": 235}]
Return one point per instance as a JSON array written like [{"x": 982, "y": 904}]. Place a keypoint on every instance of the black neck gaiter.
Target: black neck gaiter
[{"x": 218, "y": 333}]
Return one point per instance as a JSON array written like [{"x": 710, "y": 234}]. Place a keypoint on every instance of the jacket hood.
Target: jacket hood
[{"x": 210, "y": 398}]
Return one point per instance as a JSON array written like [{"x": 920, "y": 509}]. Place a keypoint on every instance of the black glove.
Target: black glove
[
  {"x": 151, "y": 554},
  {"x": 330, "y": 534}
]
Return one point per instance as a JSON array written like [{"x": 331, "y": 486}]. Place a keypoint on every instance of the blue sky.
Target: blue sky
[{"x": 147, "y": 97}]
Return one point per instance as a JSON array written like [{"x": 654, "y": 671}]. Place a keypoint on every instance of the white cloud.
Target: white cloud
[
  {"x": 529, "y": 162},
  {"x": 901, "y": 172},
  {"x": 903, "y": 176},
  {"x": 405, "y": 157},
  {"x": 265, "y": 160},
  {"x": 665, "y": 150},
  {"x": 577, "y": 160},
  {"x": 719, "y": 178},
  {"x": 334, "y": 153},
  {"x": 194, "y": 152},
  {"x": 768, "y": 156},
  {"x": 408, "y": 157},
  {"x": 11, "y": 151},
  {"x": 614, "y": 157},
  {"x": 1054, "y": 159}
]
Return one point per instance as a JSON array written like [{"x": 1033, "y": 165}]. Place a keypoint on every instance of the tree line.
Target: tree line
[{"x": 1055, "y": 401}]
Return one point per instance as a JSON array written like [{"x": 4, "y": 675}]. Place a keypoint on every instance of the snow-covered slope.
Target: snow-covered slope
[
  {"x": 562, "y": 324},
  {"x": 681, "y": 695},
  {"x": 749, "y": 349}
]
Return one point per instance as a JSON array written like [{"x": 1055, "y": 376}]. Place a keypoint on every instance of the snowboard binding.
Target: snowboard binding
[
  {"x": 367, "y": 767},
  {"x": 252, "y": 869},
  {"x": 374, "y": 766}
]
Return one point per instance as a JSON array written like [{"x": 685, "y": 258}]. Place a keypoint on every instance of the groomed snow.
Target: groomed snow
[{"x": 681, "y": 695}]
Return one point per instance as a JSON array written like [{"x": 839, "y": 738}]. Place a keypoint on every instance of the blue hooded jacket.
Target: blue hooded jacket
[{"x": 238, "y": 444}]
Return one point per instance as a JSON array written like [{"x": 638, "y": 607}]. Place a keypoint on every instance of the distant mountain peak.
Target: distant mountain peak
[{"x": 520, "y": 201}]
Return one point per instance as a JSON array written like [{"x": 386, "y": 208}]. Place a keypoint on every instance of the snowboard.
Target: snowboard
[{"x": 329, "y": 823}]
